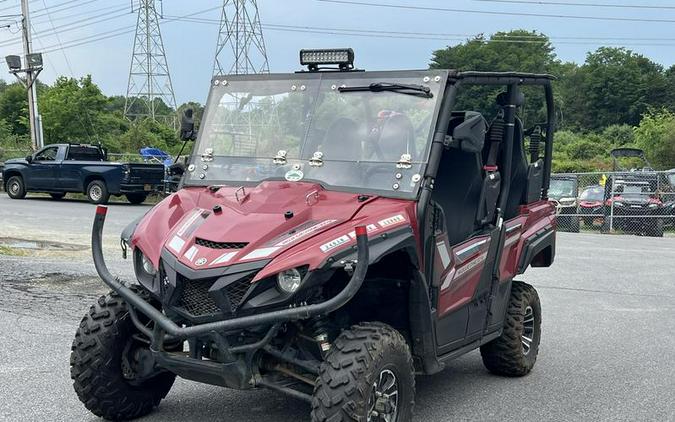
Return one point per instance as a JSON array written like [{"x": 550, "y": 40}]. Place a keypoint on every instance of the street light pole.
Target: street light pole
[{"x": 31, "y": 77}]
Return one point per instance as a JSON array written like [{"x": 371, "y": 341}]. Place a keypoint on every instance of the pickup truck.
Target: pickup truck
[{"x": 63, "y": 168}]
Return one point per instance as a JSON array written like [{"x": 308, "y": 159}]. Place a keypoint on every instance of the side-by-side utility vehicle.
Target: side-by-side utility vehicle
[{"x": 337, "y": 233}]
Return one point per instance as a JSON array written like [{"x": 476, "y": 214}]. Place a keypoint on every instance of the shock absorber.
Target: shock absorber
[{"x": 319, "y": 329}]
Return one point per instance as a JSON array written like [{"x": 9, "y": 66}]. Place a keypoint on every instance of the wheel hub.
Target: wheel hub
[
  {"x": 14, "y": 188},
  {"x": 383, "y": 400},
  {"x": 528, "y": 330},
  {"x": 95, "y": 193}
]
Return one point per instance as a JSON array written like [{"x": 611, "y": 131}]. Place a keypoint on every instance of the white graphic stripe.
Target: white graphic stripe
[
  {"x": 176, "y": 244},
  {"x": 261, "y": 253}
]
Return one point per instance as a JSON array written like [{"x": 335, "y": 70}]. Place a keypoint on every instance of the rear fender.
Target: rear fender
[{"x": 538, "y": 250}]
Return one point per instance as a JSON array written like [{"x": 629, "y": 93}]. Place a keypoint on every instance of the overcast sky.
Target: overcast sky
[{"x": 190, "y": 46}]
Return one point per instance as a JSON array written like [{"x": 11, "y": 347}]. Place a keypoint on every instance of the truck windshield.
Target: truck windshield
[{"x": 307, "y": 127}]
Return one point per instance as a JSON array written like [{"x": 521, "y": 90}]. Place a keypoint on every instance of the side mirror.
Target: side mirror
[
  {"x": 469, "y": 136},
  {"x": 29, "y": 158},
  {"x": 187, "y": 126}
]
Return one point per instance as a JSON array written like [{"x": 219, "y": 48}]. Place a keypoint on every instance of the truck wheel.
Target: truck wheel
[
  {"x": 97, "y": 192},
  {"x": 367, "y": 376},
  {"x": 101, "y": 364},
  {"x": 57, "y": 196},
  {"x": 15, "y": 187},
  {"x": 514, "y": 353},
  {"x": 136, "y": 198}
]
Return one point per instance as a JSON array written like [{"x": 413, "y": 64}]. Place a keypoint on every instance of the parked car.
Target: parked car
[
  {"x": 563, "y": 193},
  {"x": 64, "y": 168},
  {"x": 633, "y": 207},
  {"x": 591, "y": 203}
]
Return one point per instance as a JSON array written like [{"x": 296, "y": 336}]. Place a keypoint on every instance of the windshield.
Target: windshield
[
  {"x": 633, "y": 190},
  {"x": 562, "y": 188},
  {"x": 304, "y": 127},
  {"x": 595, "y": 194}
]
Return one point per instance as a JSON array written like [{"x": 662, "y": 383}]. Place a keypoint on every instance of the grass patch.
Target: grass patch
[{"x": 6, "y": 250}]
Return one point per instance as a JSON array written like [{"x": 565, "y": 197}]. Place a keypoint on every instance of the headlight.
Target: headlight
[
  {"x": 289, "y": 280},
  {"x": 618, "y": 204},
  {"x": 653, "y": 206},
  {"x": 147, "y": 265},
  {"x": 566, "y": 202}
]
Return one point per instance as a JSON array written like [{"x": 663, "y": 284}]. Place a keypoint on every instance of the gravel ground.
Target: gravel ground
[{"x": 606, "y": 353}]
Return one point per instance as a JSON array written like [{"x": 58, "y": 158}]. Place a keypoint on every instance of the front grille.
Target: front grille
[
  {"x": 237, "y": 290},
  {"x": 220, "y": 245},
  {"x": 195, "y": 298}
]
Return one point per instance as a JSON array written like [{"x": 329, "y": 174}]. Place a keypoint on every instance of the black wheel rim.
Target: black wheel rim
[
  {"x": 383, "y": 400},
  {"x": 528, "y": 330}
]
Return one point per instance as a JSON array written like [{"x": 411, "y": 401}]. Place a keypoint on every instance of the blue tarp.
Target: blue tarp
[{"x": 150, "y": 153}]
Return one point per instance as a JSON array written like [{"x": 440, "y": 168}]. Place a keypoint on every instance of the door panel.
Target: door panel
[
  {"x": 69, "y": 175},
  {"x": 458, "y": 282},
  {"x": 42, "y": 174}
]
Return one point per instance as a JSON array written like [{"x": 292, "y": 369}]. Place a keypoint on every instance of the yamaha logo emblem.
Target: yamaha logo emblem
[{"x": 200, "y": 261}]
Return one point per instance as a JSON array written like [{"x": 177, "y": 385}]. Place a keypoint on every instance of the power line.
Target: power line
[
  {"x": 488, "y": 12},
  {"x": 73, "y": 26},
  {"x": 102, "y": 36},
  {"x": 520, "y": 39},
  {"x": 559, "y": 3}
]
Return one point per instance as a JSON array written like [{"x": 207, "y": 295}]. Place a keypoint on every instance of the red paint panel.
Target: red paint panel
[
  {"x": 329, "y": 219},
  {"x": 460, "y": 281}
]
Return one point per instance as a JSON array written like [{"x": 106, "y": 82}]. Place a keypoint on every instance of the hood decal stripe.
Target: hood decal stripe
[{"x": 261, "y": 253}]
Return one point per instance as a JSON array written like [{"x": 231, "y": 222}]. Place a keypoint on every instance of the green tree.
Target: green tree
[
  {"x": 14, "y": 108},
  {"x": 71, "y": 111},
  {"x": 519, "y": 50},
  {"x": 656, "y": 136},
  {"x": 614, "y": 86}
]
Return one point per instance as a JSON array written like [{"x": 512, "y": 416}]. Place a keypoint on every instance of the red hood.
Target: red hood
[{"x": 251, "y": 221}]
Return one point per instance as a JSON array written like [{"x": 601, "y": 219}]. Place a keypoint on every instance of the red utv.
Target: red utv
[
  {"x": 591, "y": 205},
  {"x": 336, "y": 233}
]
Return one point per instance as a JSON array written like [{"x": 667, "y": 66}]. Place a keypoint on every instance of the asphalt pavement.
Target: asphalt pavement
[{"x": 606, "y": 352}]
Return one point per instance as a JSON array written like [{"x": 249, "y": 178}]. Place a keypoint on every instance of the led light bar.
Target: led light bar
[{"x": 343, "y": 57}]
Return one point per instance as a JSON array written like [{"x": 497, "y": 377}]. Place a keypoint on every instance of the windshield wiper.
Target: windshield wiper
[{"x": 416, "y": 90}]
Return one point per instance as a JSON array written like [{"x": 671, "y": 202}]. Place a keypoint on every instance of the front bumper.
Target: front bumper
[{"x": 165, "y": 326}]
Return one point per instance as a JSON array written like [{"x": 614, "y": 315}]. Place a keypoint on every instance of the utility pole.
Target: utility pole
[
  {"x": 33, "y": 66},
  {"x": 149, "y": 77}
]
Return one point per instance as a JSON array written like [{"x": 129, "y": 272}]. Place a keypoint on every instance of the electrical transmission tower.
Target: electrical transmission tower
[
  {"x": 241, "y": 50},
  {"x": 241, "y": 46},
  {"x": 149, "y": 79}
]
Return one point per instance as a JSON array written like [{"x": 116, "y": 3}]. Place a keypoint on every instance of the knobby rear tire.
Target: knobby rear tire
[{"x": 506, "y": 355}]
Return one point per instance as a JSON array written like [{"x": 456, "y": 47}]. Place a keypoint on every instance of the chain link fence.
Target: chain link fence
[{"x": 634, "y": 202}]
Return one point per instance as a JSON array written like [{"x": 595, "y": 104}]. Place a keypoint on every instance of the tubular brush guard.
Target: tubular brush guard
[{"x": 273, "y": 317}]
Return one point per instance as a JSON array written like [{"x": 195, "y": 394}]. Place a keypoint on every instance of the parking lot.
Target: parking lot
[{"x": 606, "y": 352}]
